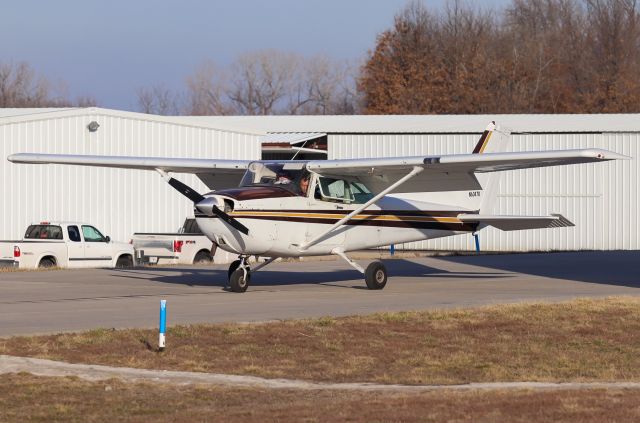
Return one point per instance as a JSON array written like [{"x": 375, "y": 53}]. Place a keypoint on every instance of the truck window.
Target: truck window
[
  {"x": 91, "y": 234},
  {"x": 43, "y": 232},
  {"x": 74, "y": 233},
  {"x": 191, "y": 227}
]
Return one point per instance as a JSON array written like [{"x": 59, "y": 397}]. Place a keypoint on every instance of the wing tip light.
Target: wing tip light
[{"x": 601, "y": 154}]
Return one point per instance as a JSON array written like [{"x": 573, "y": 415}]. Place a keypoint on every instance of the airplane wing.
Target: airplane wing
[
  {"x": 216, "y": 174},
  {"x": 450, "y": 172}
]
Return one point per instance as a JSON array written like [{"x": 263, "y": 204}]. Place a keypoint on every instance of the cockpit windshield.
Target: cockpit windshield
[{"x": 288, "y": 175}]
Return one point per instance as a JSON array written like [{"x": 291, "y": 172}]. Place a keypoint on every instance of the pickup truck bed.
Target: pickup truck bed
[{"x": 187, "y": 246}]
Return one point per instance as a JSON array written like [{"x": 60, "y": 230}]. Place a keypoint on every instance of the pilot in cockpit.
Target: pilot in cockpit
[
  {"x": 304, "y": 185},
  {"x": 282, "y": 179}
]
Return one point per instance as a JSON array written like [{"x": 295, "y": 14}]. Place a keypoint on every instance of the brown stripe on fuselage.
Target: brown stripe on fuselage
[
  {"x": 383, "y": 218},
  {"x": 422, "y": 213},
  {"x": 445, "y": 226}
]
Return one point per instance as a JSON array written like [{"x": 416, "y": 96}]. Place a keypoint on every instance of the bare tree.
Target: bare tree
[
  {"x": 205, "y": 91},
  {"x": 275, "y": 82},
  {"x": 21, "y": 87},
  {"x": 159, "y": 100},
  {"x": 328, "y": 87},
  {"x": 260, "y": 82}
]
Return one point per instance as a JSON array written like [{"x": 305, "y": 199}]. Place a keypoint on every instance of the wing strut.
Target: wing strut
[{"x": 314, "y": 241}]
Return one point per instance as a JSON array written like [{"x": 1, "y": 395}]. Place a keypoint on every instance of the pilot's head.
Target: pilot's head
[{"x": 304, "y": 184}]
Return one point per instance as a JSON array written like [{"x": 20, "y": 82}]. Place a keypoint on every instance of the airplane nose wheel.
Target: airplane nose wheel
[
  {"x": 239, "y": 275},
  {"x": 232, "y": 268},
  {"x": 376, "y": 275}
]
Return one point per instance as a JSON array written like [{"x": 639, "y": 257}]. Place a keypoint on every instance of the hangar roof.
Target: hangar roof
[
  {"x": 540, "y": 123},
  {"x": 28, "y": 111},
  {"x": 261, "y": 125},
  {"x": 13, "y": 115}
]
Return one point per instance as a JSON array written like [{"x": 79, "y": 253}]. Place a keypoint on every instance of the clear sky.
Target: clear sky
[{"x": 108, "y": 49}]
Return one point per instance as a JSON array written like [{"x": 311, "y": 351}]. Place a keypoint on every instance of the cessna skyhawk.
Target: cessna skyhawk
[{"x": 276, "y": 209}]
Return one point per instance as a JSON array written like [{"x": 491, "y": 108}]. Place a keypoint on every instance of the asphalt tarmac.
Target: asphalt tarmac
[{"x": 73, "y": 300}]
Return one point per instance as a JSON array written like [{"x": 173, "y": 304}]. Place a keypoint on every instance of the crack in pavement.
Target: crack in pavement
[{"x": 94, "y": 372}]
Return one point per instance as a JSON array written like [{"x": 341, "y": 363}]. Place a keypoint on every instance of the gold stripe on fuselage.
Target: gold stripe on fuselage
[{"x": 363, "y": 216}]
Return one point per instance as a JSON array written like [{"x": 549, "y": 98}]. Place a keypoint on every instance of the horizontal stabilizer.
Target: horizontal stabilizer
[{"x": 514, "y": 223}]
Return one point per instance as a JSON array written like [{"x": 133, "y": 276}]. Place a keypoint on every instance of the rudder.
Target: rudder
[{"x": 493, "y": 140}]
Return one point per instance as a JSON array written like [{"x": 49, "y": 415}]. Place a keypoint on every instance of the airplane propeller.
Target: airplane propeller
[{"x": 206, "y": 205}]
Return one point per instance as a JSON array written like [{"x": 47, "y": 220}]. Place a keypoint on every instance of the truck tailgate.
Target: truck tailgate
[
  {"x": 6, "y": 253},
  {"x": 157, "y": 245}
]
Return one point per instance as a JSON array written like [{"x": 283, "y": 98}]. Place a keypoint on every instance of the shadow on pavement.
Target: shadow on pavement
[
  {"x": 204, "y": 276},
  {"x": 603, "y": 267}
]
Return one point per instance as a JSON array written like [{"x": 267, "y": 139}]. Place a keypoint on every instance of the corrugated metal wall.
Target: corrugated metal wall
[
  {"x": 601, "y": 199},
  {"x": 119, "y": 202}
]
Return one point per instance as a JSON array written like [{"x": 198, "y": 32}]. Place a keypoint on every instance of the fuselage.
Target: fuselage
[{"x": 280, "y": 221}]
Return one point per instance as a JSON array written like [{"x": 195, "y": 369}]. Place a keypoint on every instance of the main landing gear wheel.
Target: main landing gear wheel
[
  {"x": 376, "y": 275},
  {"x": 239, "y": 279}
]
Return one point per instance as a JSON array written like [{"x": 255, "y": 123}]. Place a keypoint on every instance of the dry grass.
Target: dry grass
[
  {"x": 584, "y": 340},
  {"x": 29, "y": 398},
  {"x": 38, "y": 269}
]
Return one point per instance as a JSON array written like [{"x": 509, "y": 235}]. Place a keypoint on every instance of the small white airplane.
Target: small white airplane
[{"x": 276, "y": 209}]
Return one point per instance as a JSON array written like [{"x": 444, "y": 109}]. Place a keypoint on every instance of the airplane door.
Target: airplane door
[
  {"x": 338, "y": 236},
  {"x": 331, "y": 210},
  {"x": 75, "y": 247}
]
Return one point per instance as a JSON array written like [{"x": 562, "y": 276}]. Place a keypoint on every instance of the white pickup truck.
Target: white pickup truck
[
  {"x": 64, "y": 244},
  {"x": 187, "y": 246}
]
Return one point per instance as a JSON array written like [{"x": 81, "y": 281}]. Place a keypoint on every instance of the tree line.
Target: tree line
[
  {"x": 268, "y": 82},
  {"x": 537, "y": 56},
  {"x": 22, "y": 86},
  {"x": 532, "y": 56}
]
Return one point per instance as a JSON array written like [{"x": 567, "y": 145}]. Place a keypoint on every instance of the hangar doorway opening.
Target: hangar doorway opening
[{"x": 294, "y": 145}]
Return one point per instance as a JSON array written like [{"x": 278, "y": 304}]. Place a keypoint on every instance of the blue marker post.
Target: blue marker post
[
  {"x": 477, "y": 242},
  {"x": 392, "y": 249},
  {"x": 163, "y": 324}
]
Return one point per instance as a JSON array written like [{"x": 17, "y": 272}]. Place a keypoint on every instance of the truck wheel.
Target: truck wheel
[
  {"x": 124, "y": 261},
  {"x": 203, "y": 257},
  {"x": 46, "y": 263}
]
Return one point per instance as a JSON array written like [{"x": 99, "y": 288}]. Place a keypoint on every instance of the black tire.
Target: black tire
[
  {"x": 46, "y": 263},
  {"x": 376, "y": 275},
  {"x": 203, "y": 257},
  {"x": 237, "y": 280},
  {"x": 232, "y": 268},
  {"x": 124, "y": 261}
]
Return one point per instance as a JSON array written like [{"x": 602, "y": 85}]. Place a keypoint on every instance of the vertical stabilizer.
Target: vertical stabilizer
[{"x": 493, "y": 140}]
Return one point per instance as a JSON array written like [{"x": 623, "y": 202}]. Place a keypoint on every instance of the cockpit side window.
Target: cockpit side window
[
  {"x": 342, "y": 191},
  {"x": 291, "y": 176}
]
